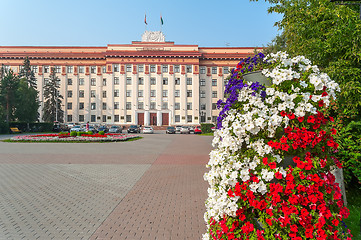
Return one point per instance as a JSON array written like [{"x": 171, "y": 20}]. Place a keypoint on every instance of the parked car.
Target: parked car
[
  {"x": 134, "y": 129},
  {"x": 178, "y": 128},
  {"x": 115, "y": 129},
  {"x": 184, "y": 129},
  {"x": 92, "y": 129},
  {"x": 170, "y": 130},
  {"x": 103, "y": 128},
  {"x": 191, "y": 129},
  {"x": 197, "y": 130},
  {"x": 213, "y": 129},
  {"x": 148, "y": 129},
  {"x": 77, "y": 128}
]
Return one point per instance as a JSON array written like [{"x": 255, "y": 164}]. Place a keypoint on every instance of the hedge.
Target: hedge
[{"x": 206, "y": 127}]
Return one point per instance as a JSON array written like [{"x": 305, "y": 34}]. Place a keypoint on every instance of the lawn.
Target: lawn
[{"x": 354, "y": 204}]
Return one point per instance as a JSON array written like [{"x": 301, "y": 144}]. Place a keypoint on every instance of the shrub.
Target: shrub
[
  {"x": 101, "y": 133},
  {"x": 89, "y": 132},
  {"x": 207, "y": 127},
  {"x": 73, "y": 134}
]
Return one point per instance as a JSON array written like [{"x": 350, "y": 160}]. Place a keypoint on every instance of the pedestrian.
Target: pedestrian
[{"x": 87, "y": 126}]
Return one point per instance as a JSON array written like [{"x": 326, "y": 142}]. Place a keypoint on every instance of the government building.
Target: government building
[{"x": 148, "y": 82}]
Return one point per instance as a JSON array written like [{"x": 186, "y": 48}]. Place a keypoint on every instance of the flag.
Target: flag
[
  {"x": 161, "y": 20},
  {"x": 145, "y": 19}
]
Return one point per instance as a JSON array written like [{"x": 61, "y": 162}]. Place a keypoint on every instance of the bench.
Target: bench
[{"x": 15, "y": 130}]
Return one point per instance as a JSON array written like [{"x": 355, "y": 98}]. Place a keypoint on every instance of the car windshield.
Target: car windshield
[
  {"x": 133, "y": 126},
  {"x": 114, "y": 127},
  {"x": 76, "y": 126},
  {"x": 170, "y": 127}
]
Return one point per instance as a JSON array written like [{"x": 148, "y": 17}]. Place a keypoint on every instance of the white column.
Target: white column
[
  {"x": 135, "y": 117},
  {"x": 146, "y": 118},
  {"x": 159, "y": 118}
]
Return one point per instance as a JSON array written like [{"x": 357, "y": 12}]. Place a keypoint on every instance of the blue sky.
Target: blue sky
[{"x": 209, "y": 23}]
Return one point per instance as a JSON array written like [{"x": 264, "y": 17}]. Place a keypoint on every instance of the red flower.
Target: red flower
[
  {"x": 265, "y": 160},
  {"x": 333, "y": 131},
  {"x": 278, "y": 175},
  {"x": 291, "y": 116},
  {"x": 283, "y": 113},
  {"x": 324, "y": 94},
  {"x": 272, "y": 165},
  {"x": 331, "y": 119},
  {"x": 300, "y": 119},
  {"x": 320, "y": 103},
  {"x": 311, "y": 119}
]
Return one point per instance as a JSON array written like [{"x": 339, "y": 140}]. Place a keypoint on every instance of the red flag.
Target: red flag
[{"x": 145, "y": 19}]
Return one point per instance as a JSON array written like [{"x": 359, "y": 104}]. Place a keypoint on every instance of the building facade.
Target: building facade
[{"x": 148, "y": 82}]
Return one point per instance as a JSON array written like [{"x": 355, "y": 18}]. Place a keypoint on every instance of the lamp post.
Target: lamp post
[{"x": 348, "y": 2}]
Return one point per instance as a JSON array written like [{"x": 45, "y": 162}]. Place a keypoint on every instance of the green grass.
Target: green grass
[
  {"x": 55, "y": 141},
  {"x": 207, "y": 134},
  {"x": 354, "y": 204}
]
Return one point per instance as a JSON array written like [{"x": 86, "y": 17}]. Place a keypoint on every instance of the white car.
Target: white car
[
  {"x": 148, "y": 129},
  {"x": 77, "y": 128},
  {"x": 185, "y": 130}
]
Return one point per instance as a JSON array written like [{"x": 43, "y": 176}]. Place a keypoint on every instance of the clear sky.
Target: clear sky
[{"x": 212, "y": 23}]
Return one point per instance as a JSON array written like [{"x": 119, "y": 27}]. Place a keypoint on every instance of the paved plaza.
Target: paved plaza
[{"x": 152, "y": 188}]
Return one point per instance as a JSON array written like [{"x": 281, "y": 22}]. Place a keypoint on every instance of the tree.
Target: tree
[
  {"x": 8, "y": 87},
  {"x": 27, "y": 103},
  {"x": 277, "y": 44},
  {"x": 52, "y": 104},
  {"x": 27, "y": 73}
]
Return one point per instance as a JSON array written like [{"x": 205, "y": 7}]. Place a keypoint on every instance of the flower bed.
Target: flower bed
[
  {"x": 108, "y": 137},
  {"x": 270, "y": 173}
]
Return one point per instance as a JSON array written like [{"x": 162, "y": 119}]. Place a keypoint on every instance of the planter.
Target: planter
[{"x": 257, "y": 76}]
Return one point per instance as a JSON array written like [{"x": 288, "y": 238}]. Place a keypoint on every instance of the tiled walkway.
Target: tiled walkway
[{"x": 147, "y": 189}]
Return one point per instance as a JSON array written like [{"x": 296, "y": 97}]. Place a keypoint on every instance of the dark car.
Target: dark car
[
  {"x": 134, "y": 129},
  {"x": 115, "y": 129},
  {"x": 103, "y": 128},
  {"x": 170, "y": 130}
]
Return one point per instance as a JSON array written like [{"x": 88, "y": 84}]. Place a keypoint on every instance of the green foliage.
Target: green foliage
[
  {"x": 8, "y": 86},
  {"x": 101, "y": 132},
  {"x": 81, "y": 133},
  {"x": 207, "y": 127},
  {"x": 73, "y": 134},
  {"x": 277, "y": 44},
  {"x": 28, "y": 74},
  {"x": 26, "y": 105},
  {"x": 350, "y": 151},
  {"x": 32, "y": 127},
  {"x": 353, "y": 204},
  {"x": 89, "y": 132},
  {"x": 52, "y": 103}
]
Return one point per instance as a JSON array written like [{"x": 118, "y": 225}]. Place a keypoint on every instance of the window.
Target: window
[
  {"x": 152, "y": 93},
  {"x": 128, "y": 118},
  {"x": 165, "y": 93},
  {"x": 189, "y": 68},
  {"x": 140, "y": 93},
  {"x": 214, "y": 94},
  {"x": 92, "y": 118},
  {"x": 93, "y": 82},
  {"x": 202, "y": 70},
  {"x": 46, "y": 81},
  {"x": 70, "y": 105},
  {"x": 189, "y": 93},
  {"x": 225, "y": 70},
  {"x": 214, "y": 106},
  {"x": 57, "y": 69},
  {"x": 214, "y": 70},
  {"x": 93, "y": 69},
  {"x": 104, "y": 94},
  {"x": 189, "y": 81},
  {"x": 92, "y": 93},
  {"x": 128, "y": 106},
  {"x": 46, "y": 69},
  {"x": 116, "y": 105},
  {"x": 104, "y": 118},
  {"x": 92, "y": 106},
  {"x": 152, "y": 105},
  {"x": 152, "y": 68},
  {"x": 129, "y": 93},
  {"x": 165, "y": 68},
  {"x": 177, "y": 81},
  {"x": 81, "y": 105},
  {"x": 116, "y": 118},
  {"x": 104, "y": 81},
  {"x": 81, "y": 69},
  {"x": 202, "y": 94},
  {"x": 116, "y": 67},
  {"x": 104, "y": 69},
  {"x": 140, "y": 105},
  {"x": 165, "y": 105},
  {"x": 177, "y": 106},
  {"x": 189, "y": 118},
  {"x": 177, "y": 118},
  {"x": 225, "y": 82},
  {"x": 129, "y": 81},
  {"x": 70, "y": 81},
  {"x": 141, "y": 68},
  {"x": 140, "y": 81},
  {"x": 152, "y": 81},
  {"x": 116, "y": 81},
  {"x": 203, "y": 106},
  {"x": 202, "y": 82},
  {"x": 69, "y": 69},
  {"x": 214, "y": 82},
  {"x": 165, "y": 81},
  {"x": 189, "y": 106},
  {"x": 177, "y": 93},
  {"x": 128, "y": 68},
  {"x": 104, "y": 106},
  {"x": 70, "y": 94},
  {"x": 81, "y": 81},
  {"x": 176, "y": 68},
  {"x": 34, "y": 69},
  {"x": 116, "y": 93},
  {"x": 214, "y": 118},
  {"x": 81, "y": 118},
  {"x": 69, "y": 118}
]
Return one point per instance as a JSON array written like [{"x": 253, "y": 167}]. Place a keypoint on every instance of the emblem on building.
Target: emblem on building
[{"x": 150, "y": 36}]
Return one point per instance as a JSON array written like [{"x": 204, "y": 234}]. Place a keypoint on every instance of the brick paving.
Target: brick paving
[{"x": 147, "y": 189}]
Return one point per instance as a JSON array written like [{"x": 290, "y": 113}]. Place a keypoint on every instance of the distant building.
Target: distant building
[{"x": 151, "y": 82}]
